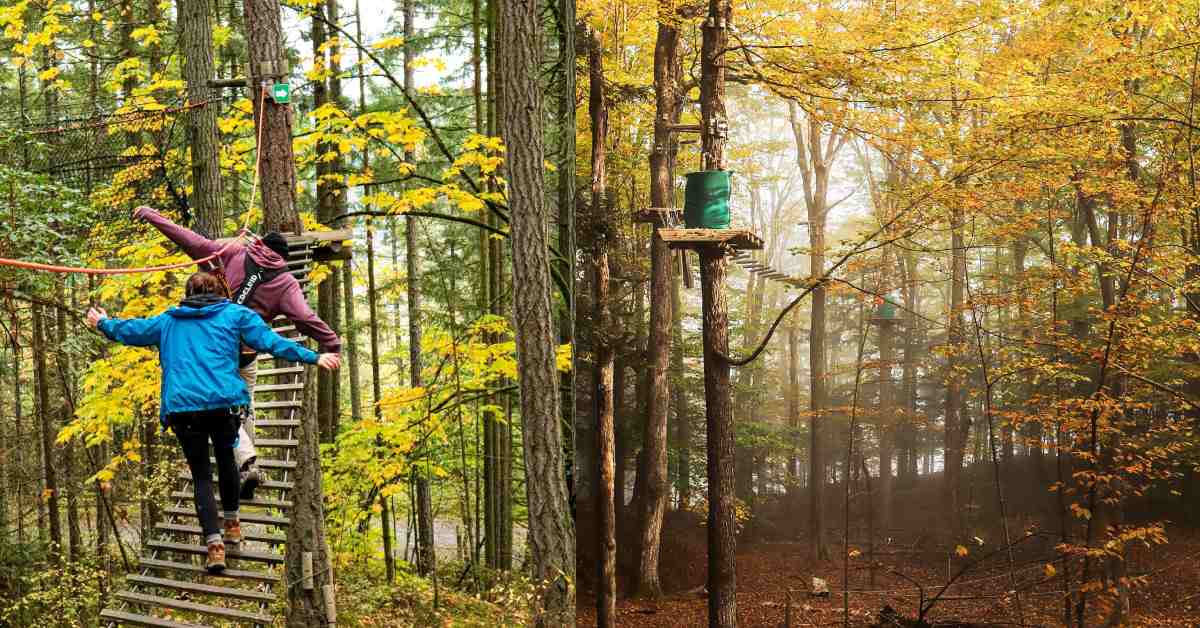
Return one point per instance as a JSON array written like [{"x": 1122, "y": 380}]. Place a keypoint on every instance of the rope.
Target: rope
[{"x": 54, "y": 268}]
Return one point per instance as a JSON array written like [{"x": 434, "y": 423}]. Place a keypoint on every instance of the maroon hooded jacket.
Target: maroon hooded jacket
[{"x": 281, "y": 295}]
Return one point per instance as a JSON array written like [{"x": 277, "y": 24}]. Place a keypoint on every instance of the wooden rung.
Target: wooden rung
[
  {"x": 265, "y": 423},
  {"x": 138, "y": 619},
  {"x": 231, "y": 551},
  {"x": 700, "y": 238},
  {"x": 184, "y": 605},
  {"x": 265, "y": 503},
  {"x": 268, "y": 356},
  {"x": 266, "y": 464},
  {"x": 283, "y": 330},
  {"x": 176, "y": 528},
  {"x": 204, "y": 589},
  {"x": 269, "y": 484},
  {"x": 276, "y": 387},
  {"x": 245, "y": 517},
  {"x": 287, "y": 370},
  {"x": 233, "y": 574},
  {"x": 275, "y": 442},
  {"x": 268, "y": 405}
]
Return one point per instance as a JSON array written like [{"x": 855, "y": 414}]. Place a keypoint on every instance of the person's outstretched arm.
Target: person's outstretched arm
[
  {"x": 193, "y": 244},
  {"x": 293, "y": 306},
  {"x": 260, "y": 337},
  {"x": 135, "y": 332}
]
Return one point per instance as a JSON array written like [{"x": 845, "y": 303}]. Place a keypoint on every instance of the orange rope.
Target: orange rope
[{"x": 53, "y": 268}]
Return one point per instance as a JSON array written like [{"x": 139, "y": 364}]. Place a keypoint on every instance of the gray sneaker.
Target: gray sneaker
[{"x": 250, "y": 478}]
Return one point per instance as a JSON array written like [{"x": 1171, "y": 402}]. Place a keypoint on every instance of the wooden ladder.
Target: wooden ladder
[{"x": 172, "y": 588}]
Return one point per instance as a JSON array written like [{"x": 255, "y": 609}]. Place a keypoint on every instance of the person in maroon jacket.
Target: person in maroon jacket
[{"x": 277, "y": 293}]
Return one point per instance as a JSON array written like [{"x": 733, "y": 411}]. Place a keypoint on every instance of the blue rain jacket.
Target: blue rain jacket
[{"x": 198, "y": 349}]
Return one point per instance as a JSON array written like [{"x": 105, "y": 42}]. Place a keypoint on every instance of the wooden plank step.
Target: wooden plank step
[
  {"x": 266, "y": 503},
  {"x": 278, "y": 443},
  {"x": 276, "y": 387},
  {"x": 287, "y": 370},
  {"x": 203, "y": 589},
  {"x": 230, "y": 551},
  {"x": 176, "y": 528},
  {"x": 271, "y": 484},
  {"x": 265, "y": 423},
  {"x": 266, "y": 464},
  {"x": 184, "y": 605},
  {"x": 271, "y": 405},
  {"x": 234, "y": 574},
  {"x": 138, "y": 619},
  {"x": 245, "y": 517}
]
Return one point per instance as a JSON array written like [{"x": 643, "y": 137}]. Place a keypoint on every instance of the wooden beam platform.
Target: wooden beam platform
[
  {"x": 699, "y": 238},
  {"x": 325, "y": 245}
]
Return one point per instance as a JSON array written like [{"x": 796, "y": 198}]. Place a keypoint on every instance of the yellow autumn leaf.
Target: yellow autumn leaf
[{"x": 961, "y": 550}]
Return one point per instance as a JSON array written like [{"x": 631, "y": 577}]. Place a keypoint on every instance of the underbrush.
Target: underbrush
[{"x": 366, "y": 599}]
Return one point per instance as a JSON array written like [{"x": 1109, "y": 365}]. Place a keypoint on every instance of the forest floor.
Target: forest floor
[{"x": 768, "y": 571}]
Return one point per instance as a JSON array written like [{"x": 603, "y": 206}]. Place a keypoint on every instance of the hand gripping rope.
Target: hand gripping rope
[{"x": 53, "y": 268}]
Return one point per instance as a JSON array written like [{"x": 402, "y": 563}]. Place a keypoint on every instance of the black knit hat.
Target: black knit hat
[{"x": 277, "y": 243}]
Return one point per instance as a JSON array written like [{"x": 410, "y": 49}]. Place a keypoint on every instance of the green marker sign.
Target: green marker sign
[{"x": 281, "y": 93}]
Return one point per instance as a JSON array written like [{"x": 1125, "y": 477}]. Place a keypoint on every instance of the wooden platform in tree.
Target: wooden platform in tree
[{"x": 698, "y": 238}]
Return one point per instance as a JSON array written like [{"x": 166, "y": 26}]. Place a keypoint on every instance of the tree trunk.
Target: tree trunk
[
  {"x": 306, "y": 534},
  {"x": 956, "y": 425},
  {"x": 327, "y": 291},
  {"x": 654, "y": 440},
  {"x": 887, "y": 420},
  {"x": 385, "y": 519},
  {"x": 48, "y": 432},
  {"x": 66, "y": 410},
  {"x": 602, "y": 330},
  {"x": 426, "y": 556},
  {"x": 551, "y": 537},
  {"x": 277, "y": 169},
  {"x": 566, "y": 224},
  {"x": 793, "y": 397},
  {"x": 683, "y": 421},
  {"x": 195, "y": 43},
  {"x": 721, "y": 527}
]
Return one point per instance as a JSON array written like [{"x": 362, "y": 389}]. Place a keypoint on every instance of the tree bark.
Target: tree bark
[
  {"x": 683, "y": 421},
  {"x": 306, "y": 534},
  {"x": 327, "y": 291},
  {"x": 49, "y": 471},
  {"x": 385, "y": 519},
  {"x": 551, "y": 537},
  {"x": 196, "y": 45},
  {"x": 956, "y": 431},
  {"x": 721, "y": 528},
  {"x": 654, "y": 440},
  {"x": 277, "y": 168},
  {"x": 602, "y": 330}
]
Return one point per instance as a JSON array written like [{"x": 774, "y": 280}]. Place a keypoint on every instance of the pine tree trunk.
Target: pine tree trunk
[
  {"x": 277, "y": 171},
  {"x": 683, "y": 421},
  {"x": 49, "y": 471},
  {"x": 956, "y": 425},
  {"x": 65, "y": 379},
  {"x": 721, "y": 527},
  {"x": 195, "y": 43},
  {"x": 602, "y": 330},
  {"x": 327, "y": 291},
  {"x": 662, "y": 158},
  {"x": 385, "y": 519},
  {"x": 306, "y": 534},
  {"x": 551, "y": 537}
]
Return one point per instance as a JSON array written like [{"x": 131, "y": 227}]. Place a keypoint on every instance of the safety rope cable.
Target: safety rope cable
[{"x": 54, "y": 268}]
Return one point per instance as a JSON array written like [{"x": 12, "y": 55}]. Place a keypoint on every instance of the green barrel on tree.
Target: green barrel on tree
[
  {"x": 885, "y": 310},
  {"x": 706, "y": 200}
]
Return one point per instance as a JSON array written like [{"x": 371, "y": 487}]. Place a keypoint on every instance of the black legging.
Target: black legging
[{"x": 194, "y": 429}]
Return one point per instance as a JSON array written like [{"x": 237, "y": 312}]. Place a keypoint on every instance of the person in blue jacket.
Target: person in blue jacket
[{"x": 202, "y": 394}]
